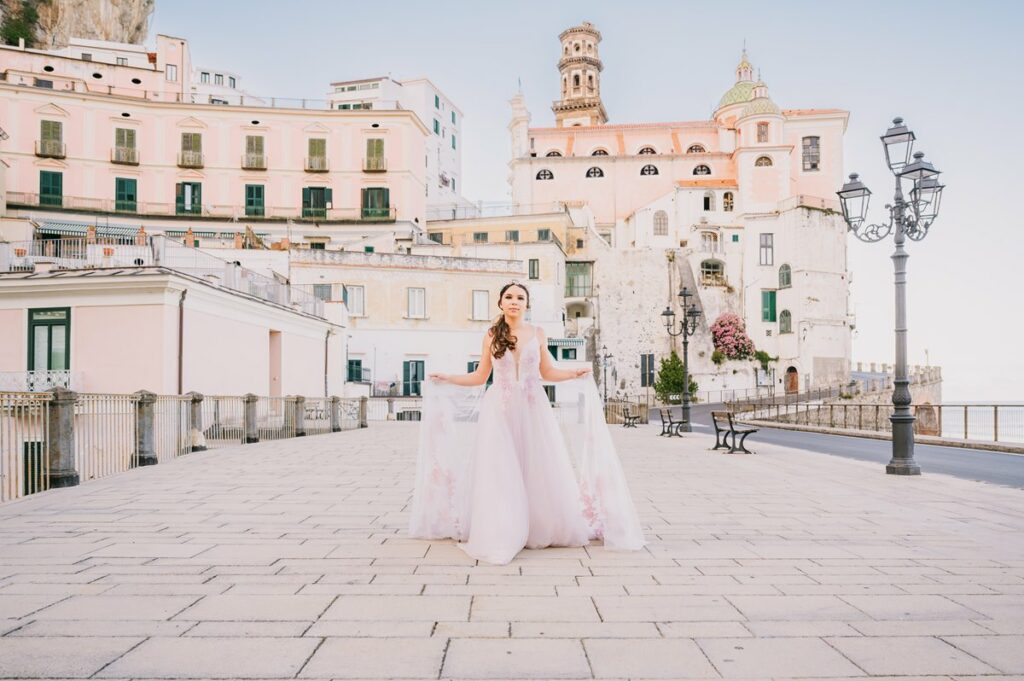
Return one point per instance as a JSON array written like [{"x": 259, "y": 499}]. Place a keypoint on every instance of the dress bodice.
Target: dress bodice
[{"x": 505, "y": 369}]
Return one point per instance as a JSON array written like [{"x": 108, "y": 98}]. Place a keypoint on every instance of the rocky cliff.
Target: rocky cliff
[{"x": 50, "y": 23}]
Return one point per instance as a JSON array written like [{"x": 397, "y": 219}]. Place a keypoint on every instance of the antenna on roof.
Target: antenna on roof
[{"x": 520, "y": 79}]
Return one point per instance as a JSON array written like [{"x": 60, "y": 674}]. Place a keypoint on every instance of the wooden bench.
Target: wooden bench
[
  {"x": 629, "y": 419},
  {"x": 722, "y": 433},
  {"x": 670, "y": 426}
]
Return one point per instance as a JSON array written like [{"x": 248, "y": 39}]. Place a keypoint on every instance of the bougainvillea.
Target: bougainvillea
[{"x": 730, "y": 337}]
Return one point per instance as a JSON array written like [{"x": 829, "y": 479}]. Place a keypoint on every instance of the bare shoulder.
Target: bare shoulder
[{"x": 539, "y": 332}]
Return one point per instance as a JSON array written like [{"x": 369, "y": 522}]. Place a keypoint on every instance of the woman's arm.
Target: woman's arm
[
  {"x": 547, "y": 368},
  {"x": 474, "y": 378}
]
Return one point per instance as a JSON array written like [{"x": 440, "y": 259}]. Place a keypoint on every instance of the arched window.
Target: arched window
[
  {"x": 709, "y": 200},
  {"x": 763, "y": 161},
  {"x": 647, "y": 150},
  {"x": 661, "y": 223},
  {"x": 599, "y": 152},
  {"x": 554, "y": 152},
  {"x": 785, "y": 322},
  {"x": 785, "y": 277},
  {"x": 762, "y": 132},
  {"x": 649, "y": 170},
  {"x": 702, "y": 170},
  {"x": 545, "y": 174},
  {"x": 727, "y": 202},
  {"x": 576, "y": 78},
  {"x": 696, "y": 149},
  {"x": 712, "y": 273},
  {"x": 595, "y": 172},
  {"x": 590, "y": 80}
]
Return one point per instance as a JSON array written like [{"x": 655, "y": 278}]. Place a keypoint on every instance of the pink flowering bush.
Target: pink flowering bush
[{"x": 730, "y": 337}]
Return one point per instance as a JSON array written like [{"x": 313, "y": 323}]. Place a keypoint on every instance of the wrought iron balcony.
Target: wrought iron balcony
[
  {"x": 317, "y": 164},
  {"x": 375, "y": 164},
  {"x": 190, "y": 159},
  {"x": 35, "y": 381},
  {"x": 125, "y": 155},
  {"x": 254, "y": 162},
  {"x": 51, "y": 149}
]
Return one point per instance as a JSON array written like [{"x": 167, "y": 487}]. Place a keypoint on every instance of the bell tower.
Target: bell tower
[{"x": 580, "y": 71}]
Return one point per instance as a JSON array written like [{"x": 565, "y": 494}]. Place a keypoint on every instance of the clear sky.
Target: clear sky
[{"x": 952, "y": 69}]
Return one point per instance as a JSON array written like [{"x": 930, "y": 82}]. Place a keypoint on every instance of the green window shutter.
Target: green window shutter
[
  {"x": 767, "y": 306},
  {"x": 328, "y": 196},
  {"x": 386, "y": 196},
  {"x": 364, "y": 198},
  {"x": 317, "y": 147},
  {"x": 453, "y": 141},
  {"x": 124, "y": 138},
  {"x": 197, "y": 196},
  {"x": 306, "y": 198},
  {"x": 179, "y": 197},
  {"x": 772, "y": 300},
  {"x": 51, "y": 131},
  {"x": 374, "y": 148}
]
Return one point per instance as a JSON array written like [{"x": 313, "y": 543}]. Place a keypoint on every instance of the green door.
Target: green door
[
  {"x": 254, "y": 200},
  {"x": 376, "y": 203},
  {"x": 126, "y": 194}
]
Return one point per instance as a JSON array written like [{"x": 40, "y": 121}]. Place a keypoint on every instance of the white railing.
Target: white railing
[
  {"x": 223, "y": 420},
  {"x": 126, "y": 155},
  {"x": 51, "y": 148},
  {"x": 394, "y": 409},
  {"x": 484, "y": 209},
  {"x": 24, "y": 445},
  {"x": 190, "y": 159},
  {"x": 316, "y": 418},
  {"x": 105, "y": 435},
  {"x": 317, "y": 164},
  {"x": 35, "y": 381},
  {"x": 254, "y": 161},
  {"x": 271, "y": 420},
  {"x": 172, "y": 426},
  {"x": 375, "y": 164}
]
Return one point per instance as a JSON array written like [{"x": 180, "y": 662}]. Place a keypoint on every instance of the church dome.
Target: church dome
[
  {"x": 760, "y": 107},
  {"x": 737, "y": 94}
]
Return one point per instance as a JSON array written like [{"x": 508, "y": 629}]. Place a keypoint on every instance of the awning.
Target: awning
[
  {"x": 203, "y": 234},
  {"x": 82, "y": 228},
  {"x": 567, "y": 342}
]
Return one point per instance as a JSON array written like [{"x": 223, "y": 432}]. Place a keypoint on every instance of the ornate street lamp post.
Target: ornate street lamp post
[
  {"x": 687, "y": 327},
  {"x": 605, "y": 357},
  {"x": 911, "y": 220}
]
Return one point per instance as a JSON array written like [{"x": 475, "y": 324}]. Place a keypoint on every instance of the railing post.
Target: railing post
[
  {"x": 995, "y": 423},
  {"x": 300, "y": 416},
  {"x": 251, "y": 433},
  {"x": 364, "y": 403},
  {"x": 965, "y": 423},
  {"x": 391, "y": 409},
  {"x": 335, "y": 414},
  {"x": 61, "y": 423},
  {"x": 197, "y": 438},
  {"x": 145, "y": 427}
]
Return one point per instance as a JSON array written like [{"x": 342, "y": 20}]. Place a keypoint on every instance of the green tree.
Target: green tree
[
  {"x": 20, "y": 22},
  {"x": 669, "y": 384}
]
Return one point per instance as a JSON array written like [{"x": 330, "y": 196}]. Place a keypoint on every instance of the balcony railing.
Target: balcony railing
[
  {"x": 375, "y": 164},
  {"x": 190, "y": 159},
  {"x": 579, "y": 290},
  {"x": 35, "y": 381},
  {"x": 712, "y": 279},
  {"x": 51, "y": 148},
  {"x": 254, "y": 162},
  {"x": 79, "y": 204},
  {"x": 126, "y": 155},
  {"x": 317, "y": 164}
]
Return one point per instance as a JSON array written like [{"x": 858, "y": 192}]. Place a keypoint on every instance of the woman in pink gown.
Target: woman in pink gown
[{"x": 494, "y": 468}]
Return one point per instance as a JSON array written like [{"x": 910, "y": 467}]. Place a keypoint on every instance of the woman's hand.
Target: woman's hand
[
  {"x": 439, "y": 378},
  {"x": 580, "y": 373}
]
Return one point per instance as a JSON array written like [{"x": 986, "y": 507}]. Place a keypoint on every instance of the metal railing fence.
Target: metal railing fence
[
  {"x": 172, "y": 426},
  {"x": 223, "y": 420},
  {"x": 105, "y": 434},
  {"x": 24, "y": 444}
]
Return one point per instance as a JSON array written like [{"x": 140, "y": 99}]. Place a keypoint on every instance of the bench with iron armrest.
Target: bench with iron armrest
[
  {"x": 629, "y": 419},
  {"x": 722, "y": 433},
  {"x": 669, "y": 425}
]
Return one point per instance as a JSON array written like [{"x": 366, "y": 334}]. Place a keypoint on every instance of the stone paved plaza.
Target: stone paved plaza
[{"x": 288, "y": 559}]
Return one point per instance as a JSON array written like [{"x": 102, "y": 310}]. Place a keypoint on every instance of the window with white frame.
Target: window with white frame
[
  {"x": 204, "y": 77},
  {"x": 218, "y": 79},
  {"x": 767, "y": 251},
  {"x": 811, "y": 154},
  {"x": 417, "y": 303},
  {"x": 480, "y": 299},
  {"x": 661, "y": 223},
  {"x": 355, "y": 298},
  {"x": 709, "y": 242},
  {"x": 762, "y": 132},
  {"x": 709, "y": 201},
  {"x": 171, "y": 73},
  {"x": 727, "y": 202}
]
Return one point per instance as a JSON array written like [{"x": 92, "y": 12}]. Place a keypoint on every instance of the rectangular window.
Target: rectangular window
[
  {"x": 315, "y": 200},
  {"x": 49, "y": 339},
  {"x": 254, "y": 156},
  {"x": 122, "y": 61},
  {"x": 767, "y": 253},
  {"x": 811, "y": 154},
  {"x": 192, "y": 141},
  {"x": 767, "y": 306},
  {"x": 568, "y": 353},
  {"x": 322, "y": 291},
  {"x": 416, "y": 303},
  {"x": 232, "y": 82},
  {"x": 254, "y": 206},
  {"x": 512, "y": 235},
  {"x": 51, "y": 188},
  {"x": 479, "y": 237},
  {"x": 317, "y": 246},
  {"x": 368, "y": 249},
  {"x": 543, "y": 235},
  {"x": 735, "y": 238},
  {"x": 453, "y": 118},
  {"x": 453, "y": 140},
  {"x": 43, "y": 83},
  {"x": 355, "y": 371},
  {"x": 472, "y": 365},
  {"x": 534, "y": 266},
  {"x": 188, "y": 198},
  {"x": 375, "y": 155},
  {"x": 218, "y": 79},
  {"x": 171, "y": 73},
  {"x": 437, "y": 102},
  {"x": 376, "y": 203},
  {"x": 762, "y": 132},
  {"x": 317, "y": 154},
  {"x": 437, "y": 127},
  {"x": 436, "y": 237},
  {"x": 126, "y": 194},
  {"x": 124, "y": 138},
  {"x": 647, "y": 370},
  {"x": 204, "y": 77},
  {"x": 86, "y": 56},
  {"x": 355, "y": 299},
  {"x": 413, "y": 374},
  {"x": 579, "y": 279},
  {"x": 480, "y": 306},
  {"x": 51, "y": 139}
]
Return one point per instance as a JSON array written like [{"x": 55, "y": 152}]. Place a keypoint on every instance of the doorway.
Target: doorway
[{"x": 792, "y": 381}]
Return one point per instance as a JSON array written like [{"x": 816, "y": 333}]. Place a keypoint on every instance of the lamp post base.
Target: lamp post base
[{"x": 902, "y": 468}]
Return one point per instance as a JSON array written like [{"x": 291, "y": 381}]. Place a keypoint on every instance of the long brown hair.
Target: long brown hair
[{"x": 502, "y": 339}]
